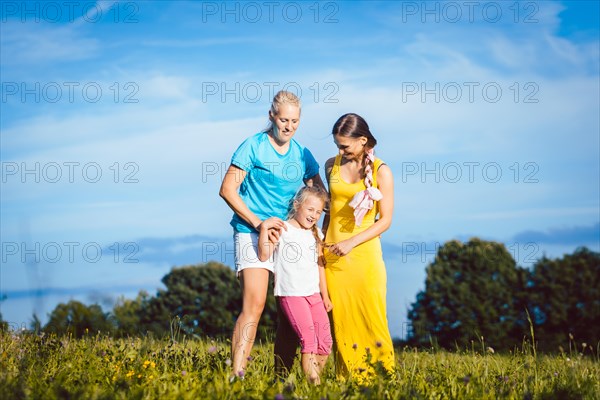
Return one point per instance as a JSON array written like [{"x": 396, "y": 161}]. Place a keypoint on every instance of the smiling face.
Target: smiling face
[
  {"x": 285, "y": 122},
  {"x": 308, "y": 212},
  {"x": 350, "y": 148}
]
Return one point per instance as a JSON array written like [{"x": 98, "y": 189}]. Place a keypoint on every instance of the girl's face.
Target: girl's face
[
  {"x": 309, "y": 212},
  {"x": 350, "y": 148},
  {"x": 285, "y": 122}
]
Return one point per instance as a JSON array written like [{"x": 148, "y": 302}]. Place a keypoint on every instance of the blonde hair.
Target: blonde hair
[
  {"x": 282, "y": 97},
  {"x": 300, "y": 197}
]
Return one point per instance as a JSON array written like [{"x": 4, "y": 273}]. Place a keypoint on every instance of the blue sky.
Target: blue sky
[{"x": 118, "y": 120}]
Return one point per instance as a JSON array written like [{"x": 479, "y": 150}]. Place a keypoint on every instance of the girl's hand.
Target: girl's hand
[
  {"x": 274, "y": 234},
  {"x": 274, "y": 226},
  {"x": 342, "y": 248},
  {"x": 328, "y": 304}
]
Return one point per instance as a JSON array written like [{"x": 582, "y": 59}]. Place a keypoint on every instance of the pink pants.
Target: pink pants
[{"x": 309, "y": 319}]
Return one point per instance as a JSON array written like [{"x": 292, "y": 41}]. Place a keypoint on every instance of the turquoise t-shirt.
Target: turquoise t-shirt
[{"x": 272, "y": 179}]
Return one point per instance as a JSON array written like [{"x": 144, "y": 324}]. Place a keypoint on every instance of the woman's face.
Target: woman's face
[
  {"x": 350, "y": 148},
  {"x": 285, "y": 122}
]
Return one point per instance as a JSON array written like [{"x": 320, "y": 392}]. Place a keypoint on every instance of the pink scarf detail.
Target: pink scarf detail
[{"x": 364, "y": 200}]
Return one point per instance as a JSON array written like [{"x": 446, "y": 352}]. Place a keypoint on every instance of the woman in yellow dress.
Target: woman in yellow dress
[{"x": 361, "y": 187}]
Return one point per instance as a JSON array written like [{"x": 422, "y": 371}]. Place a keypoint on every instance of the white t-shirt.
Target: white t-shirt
[{"x": 296, "y": 263}]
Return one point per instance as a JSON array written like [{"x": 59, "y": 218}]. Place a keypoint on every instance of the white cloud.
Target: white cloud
[{"x": 36, "y": 43}]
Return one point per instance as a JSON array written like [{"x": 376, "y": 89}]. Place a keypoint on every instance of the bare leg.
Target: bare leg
[
  {"x": 286, "y": 343},
  {"x": 254, "y": 282},
  {"x": 321, "y": 361},
  {"x": 311, "y": 368}
]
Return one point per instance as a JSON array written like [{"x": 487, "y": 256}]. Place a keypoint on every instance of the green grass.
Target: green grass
[{"x": 98, "y": 367}]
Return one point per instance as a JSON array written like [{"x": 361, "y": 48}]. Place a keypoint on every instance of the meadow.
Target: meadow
[{"x": 43, "y": 366}]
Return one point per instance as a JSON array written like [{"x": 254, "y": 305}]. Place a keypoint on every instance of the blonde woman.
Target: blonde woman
[{"x": 265, "y": 172}]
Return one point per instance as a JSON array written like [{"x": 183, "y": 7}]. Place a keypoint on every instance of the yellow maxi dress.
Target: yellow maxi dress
[{"x": 357, "y": 286}]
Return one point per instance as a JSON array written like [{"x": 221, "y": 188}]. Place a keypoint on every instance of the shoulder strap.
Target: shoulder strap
[
  {"x": 337, "y": 162},
  {"x": 335, "y": 167},
  {"x": 376, "y": 165}
]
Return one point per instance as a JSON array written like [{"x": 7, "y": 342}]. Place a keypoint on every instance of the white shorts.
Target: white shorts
[{"x": 246, "y": 252}]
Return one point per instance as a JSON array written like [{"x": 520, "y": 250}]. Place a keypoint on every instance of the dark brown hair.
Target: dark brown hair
[{"x": 354, "y": 126}]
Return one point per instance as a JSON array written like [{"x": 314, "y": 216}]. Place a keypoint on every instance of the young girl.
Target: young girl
[{"x": 300, "y": 286}]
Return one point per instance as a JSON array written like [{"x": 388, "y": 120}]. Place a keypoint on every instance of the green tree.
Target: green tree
[
  {"x": 126, "y": 315},
  {"x": 3, "y": 324},
  {"x": 78, "y": 319},
  {"x": 472, "y": 290},
  {"x": 203, "y": 300},
  {"x": 565, "y": 299},
  {"x": 35, "y": 325}
]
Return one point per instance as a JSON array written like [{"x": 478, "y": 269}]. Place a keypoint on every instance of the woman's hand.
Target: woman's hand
[
  {"x": 328, "y": 304},
  {"x": 342, "y": 248}
]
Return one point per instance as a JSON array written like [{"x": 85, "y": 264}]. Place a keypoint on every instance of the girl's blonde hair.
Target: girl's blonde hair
[
  {"x": 301, "y": 197},
  {"x": 282, "y": 97}
]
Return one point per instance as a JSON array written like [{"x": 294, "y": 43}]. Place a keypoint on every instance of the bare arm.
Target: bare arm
[
  {"x": 229, "y": 192},
  {"x": 315, "y": 181},
  {"x": 328, "y": 168},
  {"x": 385, "y": 182},
  {"x": 266, "y": 246},
  {"x": 323, "y": 282}
]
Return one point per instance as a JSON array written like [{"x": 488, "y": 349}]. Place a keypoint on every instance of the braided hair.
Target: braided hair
[{"x": 354, "y": 126}]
